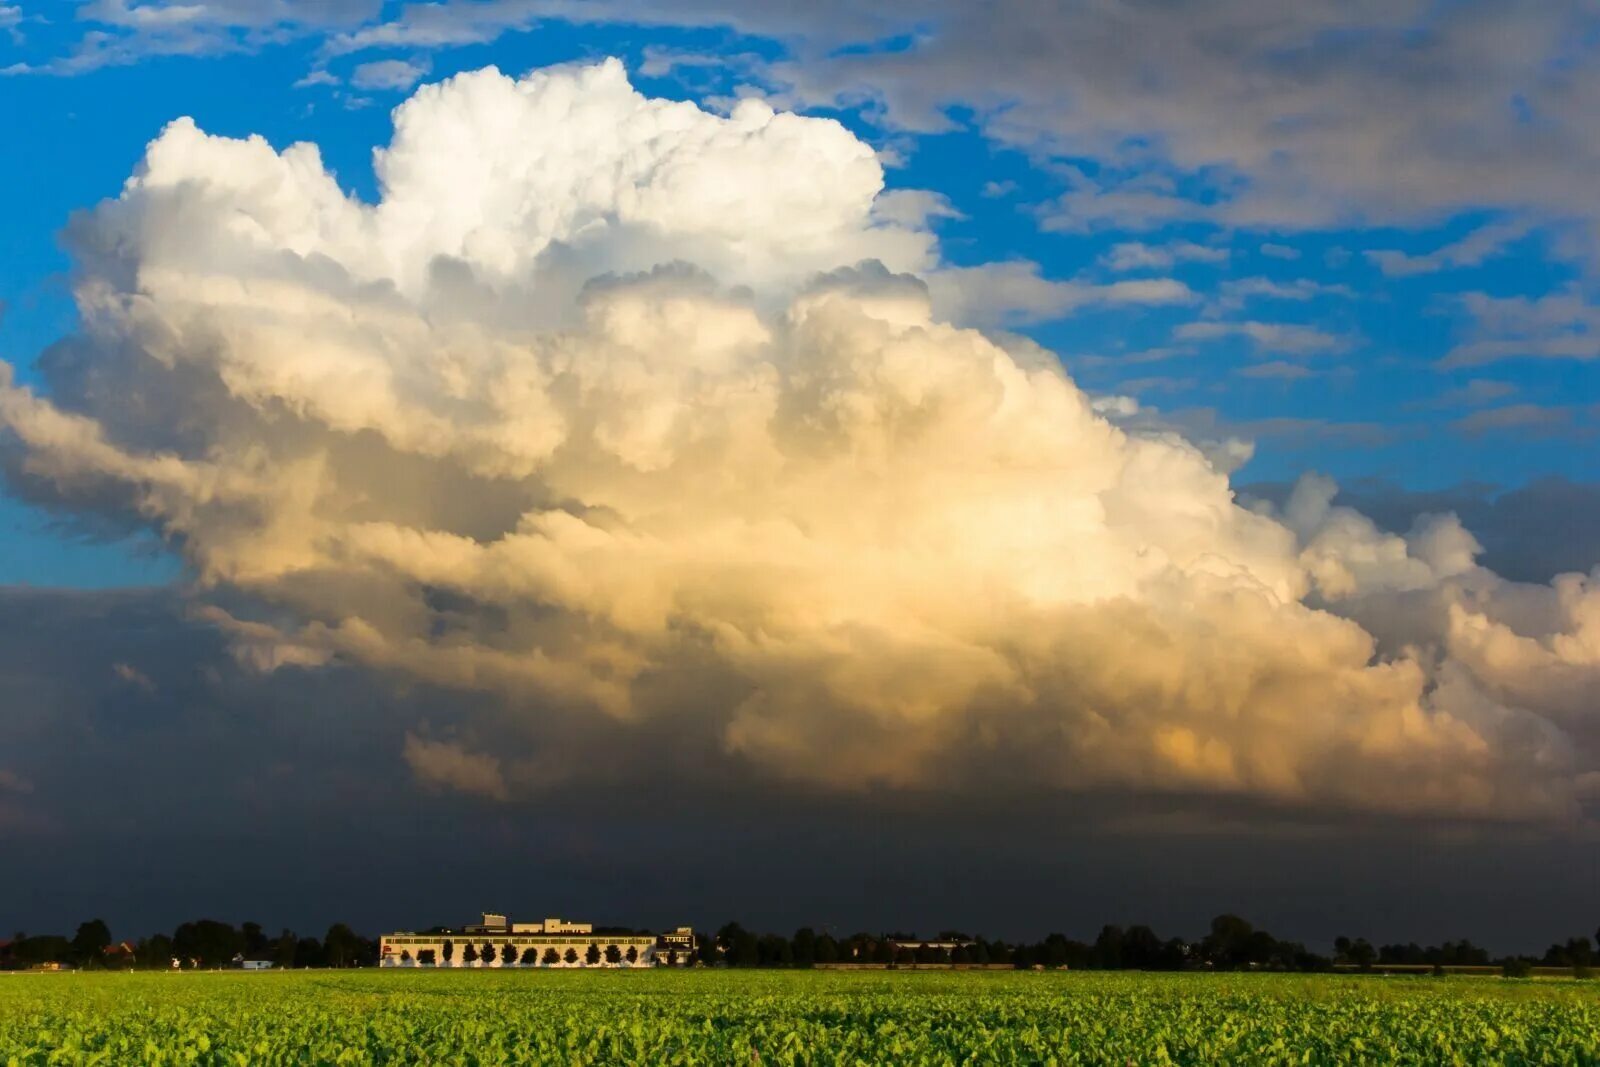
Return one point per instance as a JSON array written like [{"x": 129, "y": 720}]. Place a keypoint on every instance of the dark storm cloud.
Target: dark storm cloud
[{"x": 149, "y": 779}]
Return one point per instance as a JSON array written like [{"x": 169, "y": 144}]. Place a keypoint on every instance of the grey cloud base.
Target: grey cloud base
[{"x": 210, "y": 791}]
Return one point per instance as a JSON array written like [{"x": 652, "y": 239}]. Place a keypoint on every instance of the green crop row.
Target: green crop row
[{"x": 744, "y": 1017}]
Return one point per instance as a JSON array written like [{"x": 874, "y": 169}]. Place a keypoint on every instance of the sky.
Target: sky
[{"x": 1013, "y": 468}]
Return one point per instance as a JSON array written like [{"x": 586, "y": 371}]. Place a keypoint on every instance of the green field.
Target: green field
[{"x": 790, "y": 1017}]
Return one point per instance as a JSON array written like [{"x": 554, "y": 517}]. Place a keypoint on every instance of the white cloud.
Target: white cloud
[
  {"x": 391, "y": 74},
  {"x": 643, "y": 418}
]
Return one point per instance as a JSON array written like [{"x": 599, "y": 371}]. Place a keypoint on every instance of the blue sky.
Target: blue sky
[{"x": 1350, "y": 374}]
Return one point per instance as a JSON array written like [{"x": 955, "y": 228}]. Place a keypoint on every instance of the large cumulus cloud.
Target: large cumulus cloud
[{"x": 643, "y": 419}]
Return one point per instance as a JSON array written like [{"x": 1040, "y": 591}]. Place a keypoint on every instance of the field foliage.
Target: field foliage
[{"x": 744, "y": 1017}]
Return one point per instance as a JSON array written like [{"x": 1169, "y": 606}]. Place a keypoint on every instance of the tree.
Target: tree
[
  {"x": 772, "y": 950},
  {"x": 1226, "y": 946},
  {"x": 551, "y": 957},
  {"x": 425, "y": 958},
  {"x": 448, "y": 950},
  {"x": 571, "y": 956},
  {"x": 827, "y": 950},
  {"x": 804, "y": 947},
  {"x": 256, "y": 945},
  {"x": 343, "y": 947},
  {"x": 740, "y": 948},
  {"x": 613, "y": 955},
  {"x": 89, "y": 944},
  {"x": 281, "y": 951},
  {"x": 487, "y": 954},
  {"x": 1141, "y": 949},
  {"x": 41, "y": 948},
  {"x": 508, "y": 955},
  {"x": 1058, "y": 952},
  {"x": 632, "y": 955},
  {"x": 212, "y": 943},
  {"x": 469, "y": 954},
  {"x": 308, "y": 953},
  {"x": 530, "y": 956},
  {"x": 154, "y": 951},
  {"x": 591, "y": 955}
]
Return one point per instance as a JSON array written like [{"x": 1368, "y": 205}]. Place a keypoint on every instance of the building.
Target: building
[
  {"x": 120, "y": 954},
  {"x": 496, "y": 941},
  {"x": 945, "y": 945},
  {"x": 677, "y": 946}
]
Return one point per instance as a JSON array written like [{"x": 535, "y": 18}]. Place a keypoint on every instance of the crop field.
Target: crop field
[{"x": 789, "y": 1017}]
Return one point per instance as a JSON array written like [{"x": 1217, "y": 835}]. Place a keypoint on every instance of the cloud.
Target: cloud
[
  {"x": 1135, "y": 255},
  {"x": 446, "y": 765},
  {"x": 1266, "y": 337},
  {"x": 1235, "y": 293},
  {"x": 133, "y": 676},
  {"x": 1392, "y": 112},
  {"x": 1530, "y": 534},
  {"x": 644, "y": 425},
  {"x": 1470, "y": 251},
  {"x": 1563, "y": 324},
  {"x": 316, "y": 77},
  {"x": 1474, "y": 393},
  {"x": 124, "y": 32},
  {"x": 1013, "y": 293},
  {"x": 11, "y": 20},
  {"x": 1277, "y": 369},
  {"x": 393, "y": 74},
  {"x": 1530, "y": 419}
]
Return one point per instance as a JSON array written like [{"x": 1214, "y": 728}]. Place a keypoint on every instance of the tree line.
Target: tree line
[
  {"x": 203, "y": 943},
  {"x": 1230, "y": 944}
]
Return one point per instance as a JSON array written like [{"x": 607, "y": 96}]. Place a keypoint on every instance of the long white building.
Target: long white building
[{"x": 553, "y": 942}]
